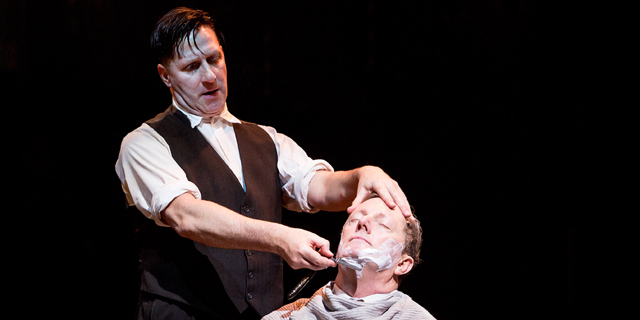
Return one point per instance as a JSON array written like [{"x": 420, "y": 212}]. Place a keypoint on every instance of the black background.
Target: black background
[{"x": 506, "y": 123}]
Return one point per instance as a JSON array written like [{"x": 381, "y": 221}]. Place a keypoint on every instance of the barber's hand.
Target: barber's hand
[
  {"x": 373, "y": 179},
  {"x": 304, "y": 249}
]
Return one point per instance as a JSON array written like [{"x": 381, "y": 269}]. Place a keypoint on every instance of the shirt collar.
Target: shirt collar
[
  {"x": 195, "y": 120},
  {"x": 372, "y": 298}
]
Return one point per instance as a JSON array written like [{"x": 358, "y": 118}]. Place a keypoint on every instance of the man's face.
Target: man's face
[
  {"x": 369, "y": 226},
  {"x": 198, "y": 76}
]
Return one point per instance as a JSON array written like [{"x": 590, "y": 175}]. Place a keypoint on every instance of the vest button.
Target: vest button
[
  {"x": 249, "y": 252},
  {"x": 250, "y": 275},
  {"x": 246, "y": 209},
  {"x": 249, "y": 296}
]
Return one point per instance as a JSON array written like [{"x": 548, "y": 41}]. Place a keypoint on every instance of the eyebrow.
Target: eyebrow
[
  {"x": 379, "y": 216},
  {"x": 187, "y": 61}
]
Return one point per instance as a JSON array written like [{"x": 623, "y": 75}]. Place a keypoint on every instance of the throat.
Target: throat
[{"x": 361, "y": 287}]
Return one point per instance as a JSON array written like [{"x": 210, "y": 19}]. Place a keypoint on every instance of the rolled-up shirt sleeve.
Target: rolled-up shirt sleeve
[
  {"x": 150, "y": 177},
  {"x": 296, "y": 171}
]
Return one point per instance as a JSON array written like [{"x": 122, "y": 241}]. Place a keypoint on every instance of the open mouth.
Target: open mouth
[{"x": 211, "y": 93}]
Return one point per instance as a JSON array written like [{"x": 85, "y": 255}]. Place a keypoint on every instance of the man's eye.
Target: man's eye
[{"x": 191, "y": 67}]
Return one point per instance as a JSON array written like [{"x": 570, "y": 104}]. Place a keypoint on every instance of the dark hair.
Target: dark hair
[{"x": 175, "y": 27}]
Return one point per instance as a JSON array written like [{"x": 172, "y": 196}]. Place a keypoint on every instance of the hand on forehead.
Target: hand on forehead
[
  {"x": 375, "y": 221},
  {"x": 373, "y": 205}
]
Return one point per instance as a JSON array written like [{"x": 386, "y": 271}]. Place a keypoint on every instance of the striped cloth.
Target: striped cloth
[{"x": 325, "y": 305}]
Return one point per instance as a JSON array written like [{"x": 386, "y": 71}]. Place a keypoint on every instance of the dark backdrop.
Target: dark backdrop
[{"x": 507, "y": 123}]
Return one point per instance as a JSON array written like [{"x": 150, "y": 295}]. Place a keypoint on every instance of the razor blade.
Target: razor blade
[{"x": 347, "y": 263}]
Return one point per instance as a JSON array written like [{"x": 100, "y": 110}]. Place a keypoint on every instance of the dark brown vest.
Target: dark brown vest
[{"x": 172, "y": 267}]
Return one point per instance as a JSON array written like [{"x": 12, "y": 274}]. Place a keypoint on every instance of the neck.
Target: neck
[
  {"x": 371, "y": 282},
  {"x": 180, "y": 104}
]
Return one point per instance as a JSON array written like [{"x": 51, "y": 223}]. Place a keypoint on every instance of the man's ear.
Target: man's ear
[
  {"x": 164, "y": 75},
  {"x": 404, "y": 265}
]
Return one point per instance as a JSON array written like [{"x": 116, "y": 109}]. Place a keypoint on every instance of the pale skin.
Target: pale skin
[
  {"x": 370, "y": 225},
  {"x": 197, "y": 79}
]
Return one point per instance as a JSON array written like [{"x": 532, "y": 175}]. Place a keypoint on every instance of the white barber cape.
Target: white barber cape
[{"x": 325, "y": 304}]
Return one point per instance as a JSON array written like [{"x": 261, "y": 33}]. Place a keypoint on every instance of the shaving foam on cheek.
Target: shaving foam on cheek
[{"x": 384, "y": 257}]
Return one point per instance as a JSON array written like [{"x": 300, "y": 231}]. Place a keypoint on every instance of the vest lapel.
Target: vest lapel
[{"x": 205, "y": 147}]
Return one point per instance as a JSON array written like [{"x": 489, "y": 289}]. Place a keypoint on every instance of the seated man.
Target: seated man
[{"x": 387, "y": 246}]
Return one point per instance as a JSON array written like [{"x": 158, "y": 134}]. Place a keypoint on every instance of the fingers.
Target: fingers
[
  {"x": 325, "y": 251},
  {"x": 362, "y": 193},
  {"x": 307, "y": 250},
  {"x": 400, "y": 199},
  {"x": 319, "y": 259},
  {"x": 391, "y": 193},
  {"x": 388, "y": 190}
]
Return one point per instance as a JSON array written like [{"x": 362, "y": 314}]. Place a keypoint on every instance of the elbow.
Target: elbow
[
  {"x": 178, "y": 222},
  {"x": 176, "y": 216}
]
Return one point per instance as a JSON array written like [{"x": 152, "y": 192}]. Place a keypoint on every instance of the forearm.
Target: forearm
[
  {"x": 333, "y": 191},
  {"x": 340, "y": 190},
  {"x": 214, "y": 225}
]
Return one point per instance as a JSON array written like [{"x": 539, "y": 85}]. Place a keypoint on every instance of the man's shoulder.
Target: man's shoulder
[
  {"x": 142, "y": 138},
  {"x": 142, "y": 132}
]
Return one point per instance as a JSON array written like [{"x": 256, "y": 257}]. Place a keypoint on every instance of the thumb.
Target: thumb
[
  {"x": 325, "y": 251},
  {"x": 322, "y": 247}
]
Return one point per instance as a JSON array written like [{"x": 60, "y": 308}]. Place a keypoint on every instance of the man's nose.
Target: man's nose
[
  {"x": 364, "y": 224},
  {"x": 207, "y": 73}
]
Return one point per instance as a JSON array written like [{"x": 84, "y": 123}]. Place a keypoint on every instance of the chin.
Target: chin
[
  {"x": 213, "y": 110},
  {"x": 353, "y": 250}
]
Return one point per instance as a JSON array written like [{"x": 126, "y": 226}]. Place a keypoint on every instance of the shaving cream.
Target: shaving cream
[{"x": 385, "y": 257}]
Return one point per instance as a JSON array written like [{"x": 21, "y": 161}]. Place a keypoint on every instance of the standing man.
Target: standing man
[{"x": 213, "y": 186}]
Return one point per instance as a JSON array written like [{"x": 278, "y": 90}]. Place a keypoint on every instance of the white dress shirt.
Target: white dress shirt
[{"x": 151, "y": 178}]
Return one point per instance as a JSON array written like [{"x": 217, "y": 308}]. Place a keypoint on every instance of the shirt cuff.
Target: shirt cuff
[{"x": 301, "y": 185}]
